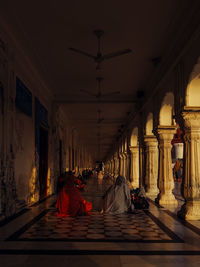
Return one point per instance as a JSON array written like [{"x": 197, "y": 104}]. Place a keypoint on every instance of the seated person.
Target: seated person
[
  {"x": 79, "y": 183},
  {"x": 178, "y": 169},
  {"x": 117, "y": 198},
  {"x": 60, "y": 182},
  {"x": 70, "y": 202}
]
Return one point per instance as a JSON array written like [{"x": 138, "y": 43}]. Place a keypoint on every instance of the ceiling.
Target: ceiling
[{"x": 46, "y": 29}]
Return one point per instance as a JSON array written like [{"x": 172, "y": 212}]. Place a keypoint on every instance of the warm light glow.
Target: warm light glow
[
  {"x": 49, "y": 185},
  {"x": 193, "y": 93},
  {"x": 134, "y": 137},
  {"x": 34, "y": 196},
  {"x": 149, "y": 124},
  {"x": 166, "y": 111},
  {"x": 125, "y": 144}
]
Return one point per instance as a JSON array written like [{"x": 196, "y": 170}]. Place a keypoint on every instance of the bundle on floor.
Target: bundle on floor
[{"x": 138, "y": 198}]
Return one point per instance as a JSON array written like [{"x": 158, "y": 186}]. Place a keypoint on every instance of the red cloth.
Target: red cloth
[
  {"x": 70, "y": 202},
  {"x": 79, "y": 184}
]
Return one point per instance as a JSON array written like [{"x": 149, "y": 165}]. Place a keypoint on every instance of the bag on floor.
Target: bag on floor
[
  {"x": 138, "y": 200},
  {"x": 140, "y": 203}
]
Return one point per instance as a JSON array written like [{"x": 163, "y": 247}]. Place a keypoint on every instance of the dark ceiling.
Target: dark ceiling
[{"x": 46, "y": 29}]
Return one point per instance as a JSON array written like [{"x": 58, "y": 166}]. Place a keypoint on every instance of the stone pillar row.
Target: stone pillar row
[
  {"x": 124, "y": 155},
  {"x": 121, "y": 167},
  {"x": 158, "y": 173},
  {"x": 116, "y": 166}
]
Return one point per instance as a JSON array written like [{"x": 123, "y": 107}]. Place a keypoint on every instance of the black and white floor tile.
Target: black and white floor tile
[{"x": 139, "y": 226}]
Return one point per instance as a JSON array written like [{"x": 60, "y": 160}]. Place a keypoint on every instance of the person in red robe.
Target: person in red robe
[
  {"x": 79, "y": 184},
  {"x": 70, "y": 202},
  {"x": 60, "y": 182}
]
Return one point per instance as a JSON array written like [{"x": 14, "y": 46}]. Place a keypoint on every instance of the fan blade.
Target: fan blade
[
  {"x": 111, "y": 93},
  {"x": 116, "y": 54},
  {"x": 81, "y": 52},
  {"x": 88, "y": 92}
]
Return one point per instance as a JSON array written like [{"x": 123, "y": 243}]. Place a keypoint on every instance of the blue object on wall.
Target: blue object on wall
[{"x": 23, "y": 98}]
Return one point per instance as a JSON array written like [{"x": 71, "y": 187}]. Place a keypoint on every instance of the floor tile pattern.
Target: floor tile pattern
[{"x": 140, "y": 226}]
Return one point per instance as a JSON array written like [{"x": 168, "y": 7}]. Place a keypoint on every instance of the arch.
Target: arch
[
  {"x": 167, "y": 109},
  {"x": 192, "y": 96},
  {"x": 134, "y": 137},
  {"x": 125, "y": 144},
  {"x": 149, "y": 124},
  {"x": 122, "y": 145}
]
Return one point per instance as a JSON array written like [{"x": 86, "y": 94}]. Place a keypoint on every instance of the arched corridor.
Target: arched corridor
[{"x": 108, "y": 89}]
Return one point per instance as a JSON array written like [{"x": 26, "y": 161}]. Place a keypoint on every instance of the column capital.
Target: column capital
[
  {"x": 171, "y": 129},
  {"x": 125, "y": 154},
  {"x": 133, "y": 149},
  {"x": 166, "y": 133},
  {"x": 191, "y": 116},
  {"x": 151, "y": 143},
  {"x": 150, "y": 139},
  {"x": 121, "y": 155}
]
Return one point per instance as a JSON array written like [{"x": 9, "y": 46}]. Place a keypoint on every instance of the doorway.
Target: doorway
[{"x": 43, "y": 162}]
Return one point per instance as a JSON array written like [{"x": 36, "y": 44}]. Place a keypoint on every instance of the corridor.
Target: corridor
[
  {"x": 108, "y": 87},
  {"x": 144, "y": 237}
]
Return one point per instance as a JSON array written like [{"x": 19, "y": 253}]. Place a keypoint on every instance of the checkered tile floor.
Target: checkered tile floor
[{"x": 138, "y": 226}]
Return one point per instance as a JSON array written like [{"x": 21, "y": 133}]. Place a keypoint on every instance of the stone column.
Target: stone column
[
  {"x": 128, "y": 162},
  {"x": 142, "y": 166},
  {"x": 191, "y": 209},
  {"x": 134, "y": 175},
  {"x": 116, "y": 170},
  {"x": 166, "y": 181},
  {"x": 151, "y": 175},
  {"x": 124, "y": 164},
  {"x": 121, "y": 170},
  {"x": 112, "y": 168},
  {"x": 110, "y": 171}
]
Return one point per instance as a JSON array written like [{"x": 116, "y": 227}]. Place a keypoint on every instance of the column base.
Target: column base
[
  {"x": 167, "y": 200},
  {"x": 190, "y": 211},
  {"x": 152, "y": 192},
  {"x": 135, "y": 185}
]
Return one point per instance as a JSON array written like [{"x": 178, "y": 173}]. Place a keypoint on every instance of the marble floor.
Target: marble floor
[{"x": 152, "y": 237}]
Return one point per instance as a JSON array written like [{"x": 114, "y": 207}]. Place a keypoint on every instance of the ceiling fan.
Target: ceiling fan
[
  {"x": 100, "y": 57},
  {"x": 99, "y": 93}
]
